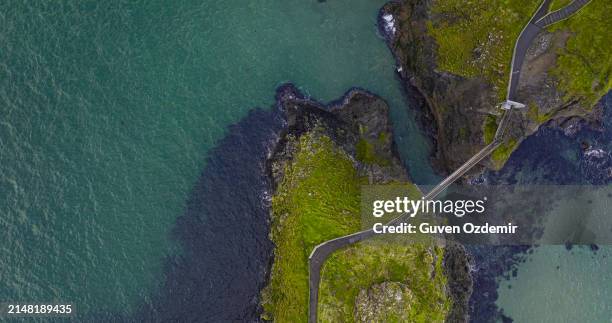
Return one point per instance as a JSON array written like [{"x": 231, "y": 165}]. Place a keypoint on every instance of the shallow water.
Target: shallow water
[{"x": 557, "y": 285}]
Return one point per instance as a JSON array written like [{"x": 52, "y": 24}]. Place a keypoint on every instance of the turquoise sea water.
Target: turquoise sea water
[
  {"x": 108, "y": 109},
  {"x": 556, "y": 285}
]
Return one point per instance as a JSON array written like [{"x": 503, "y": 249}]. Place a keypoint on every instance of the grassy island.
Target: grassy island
[{"x": 318, "y": 200}]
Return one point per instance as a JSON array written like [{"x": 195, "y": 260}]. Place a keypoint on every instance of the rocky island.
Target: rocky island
[{"x": 322, "y": 157}]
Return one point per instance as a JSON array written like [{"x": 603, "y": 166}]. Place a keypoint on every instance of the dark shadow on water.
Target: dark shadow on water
[{"x": 223, "y": 234}]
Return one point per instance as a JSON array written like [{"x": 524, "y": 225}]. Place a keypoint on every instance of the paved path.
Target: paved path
[
  {"x": 562, "y": 13},
  {"x": 539, "y": 20},
  {"x": 527, "y": 35}
]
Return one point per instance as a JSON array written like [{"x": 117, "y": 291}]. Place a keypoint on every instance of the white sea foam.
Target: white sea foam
[
  {"x": 597, "y": 153},
  {"x": 389, "y": 23}
]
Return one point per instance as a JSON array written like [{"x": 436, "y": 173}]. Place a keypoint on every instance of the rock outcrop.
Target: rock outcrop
[
  {"x": 385, "y": 302},
  {"x": 358, "y": 123}
]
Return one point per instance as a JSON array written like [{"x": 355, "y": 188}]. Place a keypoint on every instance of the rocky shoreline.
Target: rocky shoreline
[
  {"x": 342, "y": 120},
  {"x": 460, "y": 281}
]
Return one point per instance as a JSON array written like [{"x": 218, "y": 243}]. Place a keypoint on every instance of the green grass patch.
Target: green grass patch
[
  {"x": 534, "y": 114},
  {"x": 464, "y": 132},
  {"x": 583, "y": 67},
  {"x": 318, "y": 200},
  {"x": 356, "y": 268},
  {"x": 558, "y": 4},
  {"x": 382, "y": 137},
  {"x": 477, "y": 39},
  {"x": 366, "y": 153},
  {"x": 502, "y": 153},
  {"x": 489, "y": 128}
]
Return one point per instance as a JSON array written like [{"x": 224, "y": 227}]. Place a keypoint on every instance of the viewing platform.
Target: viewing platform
[{"x": 509, "y": 104}]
